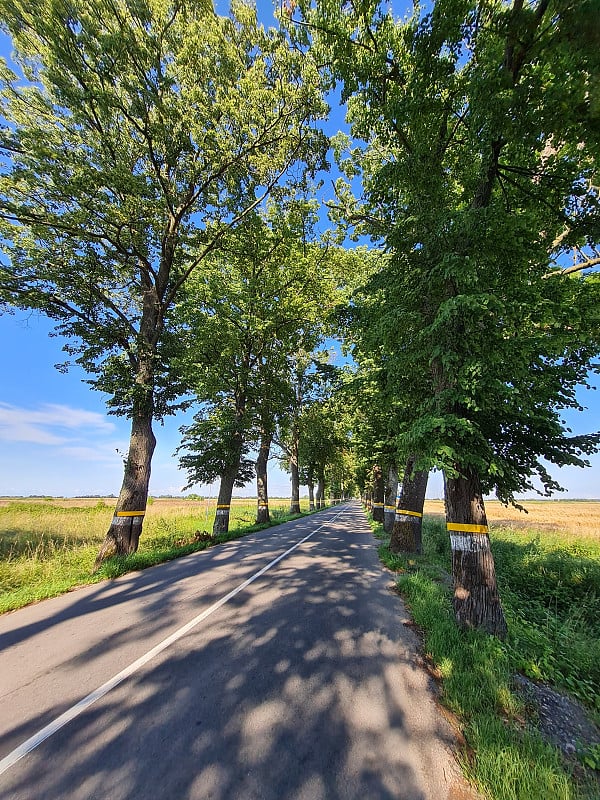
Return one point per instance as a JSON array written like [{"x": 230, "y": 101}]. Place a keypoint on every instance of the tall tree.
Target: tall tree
[
  {"x": 260, "y": 297},
  {"x": 480, "y": 123},
  {"x": 136, "y": 134}
]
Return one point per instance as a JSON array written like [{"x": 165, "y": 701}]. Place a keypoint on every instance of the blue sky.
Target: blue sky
[{"x": 56, "y": 438}]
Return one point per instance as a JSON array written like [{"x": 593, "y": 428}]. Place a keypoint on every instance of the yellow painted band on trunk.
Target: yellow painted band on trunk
[
  {"x": 223, "y": 506},
  {"x": 130, "y": 514},
  {"x": 463, "y": 527},
  {"x": 390, "y": 508},
  {"x": 410, "y": 513},
  {"x": 377, "y": 505}
]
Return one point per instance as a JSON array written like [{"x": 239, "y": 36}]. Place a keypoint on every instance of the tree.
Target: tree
[
  {"x": 136, "y": 135},
  {"x": 260, "y": 297},
  {"x": 480, "y": 123},
  {"x": 324, "y": 436}
]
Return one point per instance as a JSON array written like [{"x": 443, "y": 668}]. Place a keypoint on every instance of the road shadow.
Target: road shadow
[{"x": 292, "y": 692}]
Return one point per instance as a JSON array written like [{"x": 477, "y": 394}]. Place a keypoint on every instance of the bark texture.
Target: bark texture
[
  {"x": 228, "y": 478},
  {"x": 476, "y": 599},
  {"x": 311, "y": 495},
  {"x": 295, "y": 474},
  {"x": 321, "y": 490},
  {"x": 221, "y": 523},
  {"x": 391, "y": 489},
  {"x": 378, "y": 494},
  {"x": 408, "y": 522},
  {"x": 262, "y": 491},
  {"x": 123, "y": 536}
]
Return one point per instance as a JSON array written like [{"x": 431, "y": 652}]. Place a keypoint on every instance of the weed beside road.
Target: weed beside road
[
  {"x": 49, "y": 546},
  {"x": 550, "y": 589}
]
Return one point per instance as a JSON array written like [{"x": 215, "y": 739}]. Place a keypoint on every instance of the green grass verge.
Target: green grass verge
[
  {"x": 47, "y": 550},
  {"x": 550, "y": 590}
]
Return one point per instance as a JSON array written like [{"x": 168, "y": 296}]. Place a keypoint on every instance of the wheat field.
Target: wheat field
[{"x": 573, "y": 518}]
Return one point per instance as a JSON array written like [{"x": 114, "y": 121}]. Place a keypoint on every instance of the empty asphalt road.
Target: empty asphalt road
[{"x": 229, "y": 674}]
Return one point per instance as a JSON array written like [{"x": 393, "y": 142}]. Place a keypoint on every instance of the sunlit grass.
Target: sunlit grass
[
  {"x": 47, "y": 547},
  {"x": 550, "y": 588}
]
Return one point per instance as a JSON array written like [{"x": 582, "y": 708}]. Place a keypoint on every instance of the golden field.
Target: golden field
[{"x": 577, "y": 518}]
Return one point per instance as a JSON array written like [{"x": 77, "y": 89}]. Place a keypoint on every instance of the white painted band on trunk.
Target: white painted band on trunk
[
  {"x": 71, "y": 713},
  {"x": 407, "y": 518},
  {"x": 124, "y": 522},
  {"x": 469, "y": 543},
  {"x": 222, "y": 512}
]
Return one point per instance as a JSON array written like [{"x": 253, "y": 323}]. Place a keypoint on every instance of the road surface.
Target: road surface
[{"x": 275, "y": 667}]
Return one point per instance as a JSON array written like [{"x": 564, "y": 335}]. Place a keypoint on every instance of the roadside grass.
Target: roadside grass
[
  {"x": 49, "y": 547},
  {"x": 550, "y": 590}
]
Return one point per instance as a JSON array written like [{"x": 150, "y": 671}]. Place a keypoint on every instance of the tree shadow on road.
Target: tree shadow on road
[{"x": 291, "y": 691}]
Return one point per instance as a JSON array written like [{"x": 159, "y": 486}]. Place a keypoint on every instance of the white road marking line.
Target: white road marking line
[{"x": 34, "y": 741}]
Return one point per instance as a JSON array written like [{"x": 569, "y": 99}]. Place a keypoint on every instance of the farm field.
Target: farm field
[
  {"x": 571, "y": 518},
  {"x": 48, "y": 545}
]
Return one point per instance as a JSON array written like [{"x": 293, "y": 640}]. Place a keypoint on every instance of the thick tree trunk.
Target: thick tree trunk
[
  {"x": 262, "y": 493},
  {"x": 391, "y": 489},
  {"x": 408, "y": 521},
  {"x": 123, "y": 536},
  {"x": 221, "y": 523},
  {"x": 378, "y": 494},
  {"x": 476, "y": 600}
]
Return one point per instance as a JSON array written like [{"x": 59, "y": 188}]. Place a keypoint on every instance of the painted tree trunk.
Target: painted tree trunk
[
  {"x": 311, "y": 493},
  {"x": 378, "y": 494},
  {"x": 221, "y": 523},
  {"x": 295, "y": 476},
  {"x": 321, "y": 490},
  {"x": 476, "y": 599},
  {"x": 408, "y": 521},
  {"x": 262, "y": 491},
  {"x": 123, "y": 535},
  {"x": 391, "y": 489}
]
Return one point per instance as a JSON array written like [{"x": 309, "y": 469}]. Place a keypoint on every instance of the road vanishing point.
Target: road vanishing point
[{"x": 274, "y": 667}]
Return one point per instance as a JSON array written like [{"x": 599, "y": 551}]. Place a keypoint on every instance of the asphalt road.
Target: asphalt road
[{"x": 301, "y": 685}]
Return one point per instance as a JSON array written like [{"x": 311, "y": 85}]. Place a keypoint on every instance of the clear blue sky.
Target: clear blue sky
[{"x": 56, "y": 438}]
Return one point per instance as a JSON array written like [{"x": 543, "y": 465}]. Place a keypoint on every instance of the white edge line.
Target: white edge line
[{"x": 71, "y": 713}]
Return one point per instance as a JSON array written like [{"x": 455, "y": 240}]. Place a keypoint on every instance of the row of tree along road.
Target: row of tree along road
[{"x": 160, "y": 201}]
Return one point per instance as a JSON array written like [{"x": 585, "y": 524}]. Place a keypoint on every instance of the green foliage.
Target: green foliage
[
  {"x": 135, "y": 135},
  {"x": 479, "y": 129},
  {"x": 213, "y": 445}
]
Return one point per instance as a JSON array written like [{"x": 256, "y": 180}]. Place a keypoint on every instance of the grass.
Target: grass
[
  {"x": 49, "y": 546},
  {"x": 550, "y": 589}
]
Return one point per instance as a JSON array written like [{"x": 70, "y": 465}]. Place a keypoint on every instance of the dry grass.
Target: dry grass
[
  {"x": 48, "y": 545},
  {"x": 40, "y": 525},
  {"x": 573, "y": 518}
]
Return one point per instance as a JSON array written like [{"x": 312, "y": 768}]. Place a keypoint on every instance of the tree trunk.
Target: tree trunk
[
  {"x": 321, "y": 490},
  {"x": 311, "y": 490},
  {"x": 221, "y": 523},
  {"x": 391, "y": 488},
  {"x": 408, "y": 522},
  {"x": 122, "y": 538},
  {"x": 295, "y": 476},
  {"x": 378, "y": 494},
  {"x": 476, "y": 600},
  {"x": 262, "y": 493}
]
